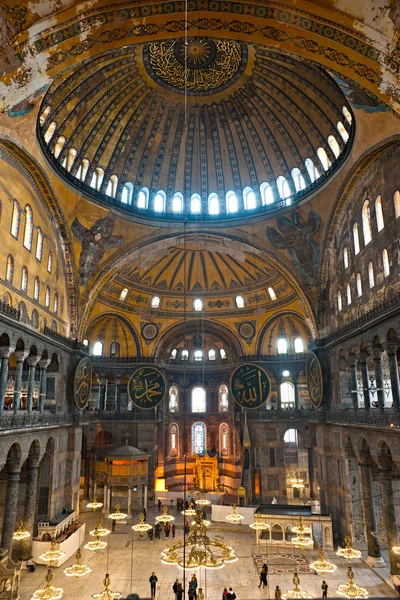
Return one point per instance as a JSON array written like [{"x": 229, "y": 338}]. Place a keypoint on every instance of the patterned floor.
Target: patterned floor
[{"x": 279, "y": 563}]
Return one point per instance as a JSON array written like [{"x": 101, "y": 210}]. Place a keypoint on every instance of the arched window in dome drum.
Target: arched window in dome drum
[
  {"x": 339, "y": 301},
  {"x": 298, "y": 180},
  {"x": 114, "y": 349},
  {"x": 195, "y": 204},
  {"x": 366, "y": 222},
  {"x": 198, "y": 399},
  {"x": 123, "y": 294},
  {"x": 50, "y": 263},
  {"x": 239, "y": 301},
  {"x": 24, "y": 279},
  {"x": 173, "y": 439},
  {"x": 347, "y": 115},
  {"x": 112, "y": 186},
  {"x": 213, "y": 204},
  {"x": 174, "y": 352},
  {"x": 298, "y": 345},
  {"x": 380, "y": 223},
  {"x": 97, "y": 349},
  {"x": 282, "y": 346},
  {"x": 185, "y": 355},
  {"x": 59, "y": 145},
  {"x": 272, "y": 294},
  {"x": 97, "y": 178},
  {"x": 28, "y": 233},
  {"x": 283, "y": 187},
  {"x": 159, "y": 202},
  {"x": 371, "y": 275},
  {"x": 10, "y": 269},
  {"x": 36, "y": 289},
  {"x": 143, "y": 198},
  {"x": 224, "y": 439},
  {"x": 342, "y": 130},
  {"x": 345, "y": 258},
  {"x": 44, "y": 115},
  {"x": 72, "y": 152},
  {"x": 359, "y": 285},
  {"x": 249, "y": 198},
  {"x": 356, "y": 239},
  {"x": 396, "y": 200},
  {"x": 155, "y": 302},
  {"x": 323, "y": 158},
  {"x": 266, "y": 193},
  {"x": 50, "y": 132},
  {"x": 47, "y": 297},
  {"x": 198, "y": 305},
  {"x": 173, "y": 398},
  {"x": 39, "y": 245},
  {"x": 231, "y": 202},
  {"x": 312, "y": 170},
  {"x": 199, "y": 436},
  {"x": 348, "y": 293},
  {"x": 212, "y": 354},
  {"x": 385, "y": 261},
  {"x": 287, "y": 394},
  {"x": 177, "y": 203},
  {"x": 334, "y": 146},
  {"x": 127, "y": 193},
  {"x": 222, "y": 353},
  {"x": 198, "y": 355},
  {"x": 83, "y": 169},
  {"x": 223, "y": 398},
  {"x": 15, "y": 219}
]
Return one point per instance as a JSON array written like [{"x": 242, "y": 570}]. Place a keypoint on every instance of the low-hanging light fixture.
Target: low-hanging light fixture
[
  {"x": 106, "y": 594},
  {"x": 117, "y": 515},
  {"x": 96, "y": 545},
  {"x": 348, "y": 551},
  {"x": 165, "y": 517},
  {"x": 351, "y": 589},
  {"x": 321, "y": 565},
  {"x": 49, "y": 592},
  {"x": 259, "y": 524},
  {"x": 77, "y": 570},
  {"x": 234, "y": 516},
  {"x": 296, "y": 592},
  {"x": 300, "y": 528},
  {"x": 202, "y": 501},
  {"x": 94, "y": 505},
  {"x": 100, "y": 531},
  {"x": 20, "y": 533},
  {"x": 189, "y": 511},
  {"x": 52, "y": 554},
  {"x": 142, "y": 527},
  {"x": 297, "y": 482}
]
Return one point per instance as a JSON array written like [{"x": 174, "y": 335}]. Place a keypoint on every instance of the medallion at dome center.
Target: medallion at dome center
[
  {"x": 250, "y": 386},
  {"x": 146, "y": 387}
]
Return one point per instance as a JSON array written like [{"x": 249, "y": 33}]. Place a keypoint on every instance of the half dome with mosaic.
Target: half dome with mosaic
[{"x": 260, "y": 131}]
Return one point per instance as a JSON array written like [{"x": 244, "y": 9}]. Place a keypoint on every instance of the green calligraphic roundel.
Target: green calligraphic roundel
[
  {"x": 83, "y": 383},
  {"x": 250, "y": 386},
  {"x": 314, "y": 377},
  {"x": 146, "y": 387}
]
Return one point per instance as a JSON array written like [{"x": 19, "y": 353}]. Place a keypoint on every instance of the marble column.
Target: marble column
[
  {"x": 377, "y": 354},
  {"x": 20, "y": 356},
  {"x": 10, "y": 507},
  {"x": 145, "y": 497},
  {"x": 278, "y": 395},
  {"x": 32, "y": 362},
  {"x": 374, "y": 551},
  {"x": 109, "y": 499},
  {"x": 296, "y": 393},
  {"x": 365, "y": 379},
  {"x": 105, "y": 507},
  {"x": 129, "y": 511},
  {"x": 43, "y": 364},
  {"x": 311, "y": 474},
  {"x": 389, "y": 512},
  {"x": 118, "y": 395},
  {"x": 352, "y": 360},
  {"x": 5, "y": 353},
  {"x": 391, "y": 349},
  {"x": 30, "y": 501}
]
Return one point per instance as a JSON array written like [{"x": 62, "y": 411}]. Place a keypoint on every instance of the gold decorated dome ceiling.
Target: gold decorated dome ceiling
[{"x": 120, "y": 129}]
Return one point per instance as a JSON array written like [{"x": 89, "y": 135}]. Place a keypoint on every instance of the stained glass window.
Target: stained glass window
[{"x": 198, "y": 438}]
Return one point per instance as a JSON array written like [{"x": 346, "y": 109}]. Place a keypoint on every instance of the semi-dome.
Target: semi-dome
[{"x": 257, "y": 130}]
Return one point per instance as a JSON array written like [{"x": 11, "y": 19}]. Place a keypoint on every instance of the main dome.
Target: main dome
[{"x": 256, "y": 131}]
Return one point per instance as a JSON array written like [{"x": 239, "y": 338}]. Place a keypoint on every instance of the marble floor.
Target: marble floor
[{"x": 130, "y": 561}]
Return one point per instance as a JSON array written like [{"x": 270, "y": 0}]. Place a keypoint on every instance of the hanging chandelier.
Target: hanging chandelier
[
  {"x": 322, "y": 565},
  {"x": 234, "y": 517},
  {"x": 94, "y": 504},
  {"x": 20, "y": 533},
  {"x": 296, "y": 592},
  {"x": 348, "y": 551},
  {"x": 190, "y": 511},
  {"x": 100, "y": 531},
  {"x": 97, "y": 545},
  {"x": 49, "y": 592},
  {"x": 142, "y": 527},
  {"x": 52, "y": 554},
  {"x": 351, "y": 589},
  {"x": 198, "y": 551},
  {"x": 77, "y": 570},
  {"x": 300, "y": 528},
  {"x": 117, "y": 515},
  {"x": 165, "y": 517},
  {"x": 296, "y": 481},
  {"x": 203, "y": 501},
  {"x": 258, "y": 524},
  {"x": 302, "y": 541},
  {"x": 106, "y": 594}
]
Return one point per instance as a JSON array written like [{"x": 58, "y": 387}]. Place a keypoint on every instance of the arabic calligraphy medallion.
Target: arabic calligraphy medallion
[
  {"x": 146, "y": 387},
  {"x": 314, "y": 377},
  {"x": 83, "y": 383},
  {"x": 250, "y": 386}
]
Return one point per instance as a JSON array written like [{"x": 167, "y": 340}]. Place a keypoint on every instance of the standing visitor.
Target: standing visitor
[
  {"x": 278, "y": 592},
  {"x": 153, "y": 584},
  {"x": 231, "y": 595},
  {"x": 225, "y": 594},
  {"x": 324, "y": 588},
  {"x": 173, "y": 530},
  {"x": 175, "y": 588},
  {"x": 193, "y": 581}
]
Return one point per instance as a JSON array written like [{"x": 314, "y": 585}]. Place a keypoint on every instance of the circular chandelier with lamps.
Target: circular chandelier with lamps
[
  {"x": 49, "y": 592},
  {"x": 234, "y": 516},
  {"x": 300, "y": 528},
  {"x": 297, "y": 482},
  {"x": 348, "y": 551},
  {"x": 202, "y": 501},
  {"x": 322, "y": 565},
  {"x": 106, "y": 594},
  {"x": 20, "y": 533},
  {"x": 296, "y": 592},
  {"x": 165, "y": 517},
  {"x": 52, "y": 554},
  {"x": 302, "y": 541},
  {"x": 190, "y": 511},
  {"x": 96, "y": 545},
  {"x": 100, "y": 531},
  {"x": 117, "y": 515},
  {"x": 142, "y": 527},
  {"x": 258, "y": 524},
  {"x": 351, "y": 589},
  {"x": 77, "y": 570},
  {"x": 94, "y": 504}
]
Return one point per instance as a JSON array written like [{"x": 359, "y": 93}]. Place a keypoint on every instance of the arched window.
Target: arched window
[
  {"x": 123, "y": 294},
  {"x": 127, "y": 193},
  {"x": 348, "y": 293},
  {"x": 287, "y": 394},
  {"x": 47, "y": 297},
  {"x": 342, "y": 130},
  {"x": 323, "y": 158},
  {"x": 72, "y": 152},
  {"x": 396, "y": 200},
  {"x": 359, "y": 285},
  {"x": 198, "y": 305},
  {"x": 174, "y": 352},
  {"x": 239, "y": 301},
  {"x": 173, "y": 398},
  {"x": 28, "y": 227},
  {"x": 272, "y": 294},
  {"x": 10, "y": 269},
  {"x": 371, "y": 275},
  {"x": 298, "y": 345},
  {"x": 334, "y": 146},
  {"x": 224, "y": 439},
  {"x": 24, "y": 279},
  {"x": 282, "y": 346},
  {"x": 58, "y": 146},
  {"x": 39, "y": 245},
  {"x": 222, "y": 354},
  {"x": 97, "y": 349},
  {"x": 356, "y": 239},
  {"x": 266, "y": 193},
  {"x": 44, "y": 115},
  {"x": 112, "y": 186},
  {"x": 345, "y": 258},
  {"x": 298, "y": 180},
  {"x": 380, "y": 223},
  {"x": 173, "y": 440},
  {"x": 312, "y": 170},
  {"x": 97, "y": 178},
  {"x": 223, "y": 398},
  {"x": 86, "y": 343},
  {"x": 16, "y": 215},
  {"x": 185, "y": 355},
  {"x": 198, "y": 355},
  {"x": 50, "y": 132},
  {"x": 155, "y": 302},
  {"x": 83, "y": 169},
  {"x": 159, "y": 201},
  {"x": 50, "y": 263},
  {"x": 339, "y": 301},
  {"x": 177, "y": 203},
  {"x": 143, "y": 198},
  {"x": 385, "y": 260},
  {"x": 347, "y": 115},
  {"x": 213, "y": 204},
  {"x": 198, "y": 399},
  {"x": 212, "y": 354},
  {"x": 36, "y": 289},
  {"x": 231, "y": 202},
  {"x": 249, "y": 198},
  {"x": 55, "y": 309},
  {"x": 199, "y": 433},
  {"x": 195, "y": 204},
  {"x": 366, "y": 221},
  {"x": 283, "y": 187},
  {"x": 114, "y": 349}
]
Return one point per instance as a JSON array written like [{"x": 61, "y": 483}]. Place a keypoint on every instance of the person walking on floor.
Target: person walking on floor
[
  {"x": 324, "y": 588},
  {"x": 278, "y": 592},
  {"x": 225, "y": 594},
  {"x": 179, "y": 591},
  {"x": 263, "y": 576},
  {"x": 190, "y": 591},
  {"x": 173, "y": 529},
  {"x": 153, "y": 584},
  {"x": 231, "y": 595},
  {"x": 193, "y": 582},
  {"x": 159, "y": 504}
]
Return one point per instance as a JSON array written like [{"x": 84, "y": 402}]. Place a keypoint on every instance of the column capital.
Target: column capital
[
  {"x": 391, "y": 346},
  {"x": 377, "y": 352},
  {"x": 6, "y": 351},
  {"x": 352, "y": 359},
  {"x": 385, "y": 463},
  {"x": 363, "y": 356},
  {"x": 20, "y": 355},
  {"x": 365, "y": 458},
  {"x": 33, "y": 360},
  {"x": 44, "y": 363}
]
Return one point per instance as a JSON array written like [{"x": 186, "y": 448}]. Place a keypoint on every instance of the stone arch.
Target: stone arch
[{"x": 126, "y": 323}]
